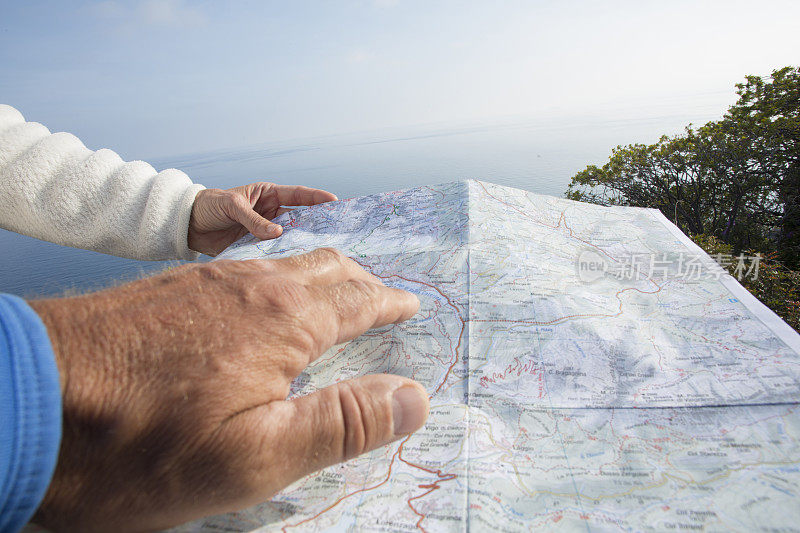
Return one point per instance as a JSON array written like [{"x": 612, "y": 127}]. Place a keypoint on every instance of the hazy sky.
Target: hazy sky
[{"x": 164, "y": 77}]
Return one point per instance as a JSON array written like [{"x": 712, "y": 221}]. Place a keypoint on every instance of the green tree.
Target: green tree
[
  {"x": 737, "y": 179},
  {"x": 767, "y": 117}
]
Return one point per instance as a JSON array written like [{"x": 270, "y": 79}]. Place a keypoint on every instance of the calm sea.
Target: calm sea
[{"x": 538, "y": 154}]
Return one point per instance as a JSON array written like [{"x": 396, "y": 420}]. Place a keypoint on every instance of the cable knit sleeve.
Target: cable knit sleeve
[{"x": 54, "y": 188}]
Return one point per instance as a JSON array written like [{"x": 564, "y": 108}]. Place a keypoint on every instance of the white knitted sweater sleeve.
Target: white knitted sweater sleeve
[{"x": 54, "y": 188}]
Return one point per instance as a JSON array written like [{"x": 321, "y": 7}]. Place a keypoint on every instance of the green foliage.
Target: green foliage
[
  {"x": 733, "y": 183},
  {"x": 737, "y": 178},
  {"x": 775, "y": 285},
  {"x": 767, "y": 120}
]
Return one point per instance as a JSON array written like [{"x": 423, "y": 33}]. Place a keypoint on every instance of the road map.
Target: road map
[{"x": 589, "y": 368}]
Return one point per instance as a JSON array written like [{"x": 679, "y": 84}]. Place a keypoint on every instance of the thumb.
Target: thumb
[
  {"x": 259, "y": 226},
  {"x": 356, "y": 416},
  {"x": 337, "y": 423}
]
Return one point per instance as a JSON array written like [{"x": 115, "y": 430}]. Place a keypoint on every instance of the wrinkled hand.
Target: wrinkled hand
[
  {"x": 221, "y": 217},
  {"x": 174, "y": 388}
]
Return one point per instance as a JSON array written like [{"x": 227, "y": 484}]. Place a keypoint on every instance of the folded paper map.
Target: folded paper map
[{"x": 589, "y": 368}]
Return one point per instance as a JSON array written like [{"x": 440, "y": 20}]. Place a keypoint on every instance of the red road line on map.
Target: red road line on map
[
  {"x": 460, "y": 335},
  {"x": 397, "y": 455},
  {"x": 568, "y": 317},
  {"x": 451, "y": 304},
  {"x": 431, "y": 486},
  {"x": 443, "y": 477},
  {"x": 527, "y": 215}
]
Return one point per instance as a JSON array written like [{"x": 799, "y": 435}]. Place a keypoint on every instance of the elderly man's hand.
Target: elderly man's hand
[
  {"x": 221, "y": 217},
  {"x": 174, "y": 388}
]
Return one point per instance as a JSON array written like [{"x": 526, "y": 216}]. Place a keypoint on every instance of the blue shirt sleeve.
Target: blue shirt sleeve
[{"x": 30, "y": 412}]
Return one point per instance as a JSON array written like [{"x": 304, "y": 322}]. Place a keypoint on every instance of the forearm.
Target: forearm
[
  {"x": 175, "y": 389},
  {"x": 55, "y": 189},
  {"x": 85, "y": 339}
]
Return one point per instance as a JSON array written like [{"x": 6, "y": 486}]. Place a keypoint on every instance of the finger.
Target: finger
[
  {"x": 297, "y": 437},
  {"x": 300, "y": 195},
  {"x": 243, "y": 213},
  {"x": 323, "y": 266},
  {"x": 343, "y": 311},
  {"x": 282, "y": 210}
]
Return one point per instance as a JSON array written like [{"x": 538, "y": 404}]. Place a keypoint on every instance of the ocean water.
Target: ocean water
[{"x": 539, "y": 154}]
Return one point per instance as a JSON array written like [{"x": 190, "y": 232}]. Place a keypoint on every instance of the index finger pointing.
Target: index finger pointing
[
  {"x": 301, "y": 195},
  {"x": 346, "y": 310}
]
